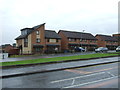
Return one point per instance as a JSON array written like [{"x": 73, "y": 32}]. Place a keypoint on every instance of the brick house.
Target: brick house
[
  {"x": 6, "y": 48},
  {"x": 72, "y": 39},
  {"x": 107, "y": 41},
  {"x": 117, "y": 36},
  {"x": 38, "y": 40}
]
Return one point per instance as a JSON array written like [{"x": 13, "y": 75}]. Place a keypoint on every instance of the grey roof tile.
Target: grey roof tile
[
  {"x": 51, "y": 34},
  {"x": 30, "y": 30},
  {"x": 79, "y": 35},
  {"x": 107, "y": 37}
]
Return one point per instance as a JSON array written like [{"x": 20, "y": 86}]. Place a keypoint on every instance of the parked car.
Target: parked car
[
  {"x": 118, "y": 49},
  {"x": 79, "y": 49},
  {"x": 101, "y": 49}
]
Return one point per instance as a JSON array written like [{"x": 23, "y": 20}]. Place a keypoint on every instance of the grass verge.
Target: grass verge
[{"x": 43, "y": 60}]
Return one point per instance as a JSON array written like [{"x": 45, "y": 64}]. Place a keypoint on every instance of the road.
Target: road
[
  {"x": 99, "y": 76},
  {"x": 56, "y": 66}
]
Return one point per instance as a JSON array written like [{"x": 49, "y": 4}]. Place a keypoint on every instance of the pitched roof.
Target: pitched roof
[
  {"x": 4, "y": 46},
  {"x": 51, "y": 34},
  {"x": 21, "y": 37},
  {"x": 117, "y": 36},
  {"x": 36, "y": 27},
  {"x": 73, "y": 34},
  {"x": 107, "y": 37},
  {"x": 30, "y": 30}
]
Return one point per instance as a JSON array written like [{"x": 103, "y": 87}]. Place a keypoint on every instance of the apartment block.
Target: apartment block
[
  {"x": 38, "y": 40},
  {"x": 107, "y": 41},
  {"x": 117, "y": 36},
  {"x": 72, "y": 39}
]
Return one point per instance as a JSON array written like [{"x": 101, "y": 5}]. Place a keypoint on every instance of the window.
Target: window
[
  {"x": 37, "y": 49},
  {"x": 47, "y": 40},
  {"x": 80, "y": 40},
  {"x": 56, "y": 40},
  {"x": 72, "y": 40},
  {"x": 85, "y": 40},
  {"x": 26, "y": 42},
  {"x": 38, "y": 40},
  {"x": 24, "y": 32},
  {"x": 37, "y": 32},
  {"x": 90, "y": 40},
  {"x": 52, "y": 40}
]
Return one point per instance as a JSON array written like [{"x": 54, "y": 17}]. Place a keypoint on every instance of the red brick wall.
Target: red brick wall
[
  {"x": 59, "y": 42},
  {"x": 64, "y": 41},
  {"x": 8, "y": 48},
  {"x": 33, "y": 36},
  {"x": 100, "y": 42}
]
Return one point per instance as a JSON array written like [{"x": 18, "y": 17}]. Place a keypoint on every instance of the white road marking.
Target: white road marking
[
  {"x": 76, "y": 77},
  {"x": 111, "y": 74},
  {"x": 90, "y": 82},
  {"x": 73, "y": 81}
]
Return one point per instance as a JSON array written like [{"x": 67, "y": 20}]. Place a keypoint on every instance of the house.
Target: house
[
  {"x": 72, "y": 39},
  {"x": 6, "y": 48},
  {"x": 38, "y": 40},
  {"x": 107, "y": 41},
  {"x": 117, "y": 36}
]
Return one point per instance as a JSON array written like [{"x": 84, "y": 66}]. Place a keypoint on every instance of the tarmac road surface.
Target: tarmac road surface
[{"x": 99, "y": 76}]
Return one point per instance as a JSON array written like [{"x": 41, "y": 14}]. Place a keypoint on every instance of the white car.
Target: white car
[
  {"x": 118, "y": 49},
  {"x": 101, "y": 49}
]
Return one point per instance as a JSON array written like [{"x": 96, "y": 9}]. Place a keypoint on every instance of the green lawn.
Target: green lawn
[{"x": 42, "y": 60}]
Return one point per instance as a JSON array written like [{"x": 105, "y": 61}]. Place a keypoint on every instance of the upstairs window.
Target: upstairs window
[
  {"x": 37, "y": 32},
  {"x": 95, "y": 41},
  {"x": 72, "y": 40},
  {"x": 91, "y": 41},
  {"x": 24, "y": 32},
  {"x": 26, "y": 42},
  {"x": 85, "y": 40},
  {"x": 48, "y": 40},
  {"x": 52, "y": 40},
  {"x": 80, "y": 40},
  {"x": 56, "y": 40}
]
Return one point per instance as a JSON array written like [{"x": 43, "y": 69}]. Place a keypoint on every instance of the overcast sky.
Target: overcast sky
[{"x": 93, "y": 16}]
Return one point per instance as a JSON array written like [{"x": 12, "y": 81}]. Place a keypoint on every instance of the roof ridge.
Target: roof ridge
[
  {"x": 75, "y": 32},
  {"x": 103, "y": 35},
  {"x": 37, "y": 26},
  {"x": 50, "y": 30}
]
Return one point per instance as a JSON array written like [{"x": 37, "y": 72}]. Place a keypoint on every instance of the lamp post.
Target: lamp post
[{"x": 81, "y": 36}]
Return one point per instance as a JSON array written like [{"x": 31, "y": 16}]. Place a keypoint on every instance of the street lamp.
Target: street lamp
[{"x": 81, "y": 36}]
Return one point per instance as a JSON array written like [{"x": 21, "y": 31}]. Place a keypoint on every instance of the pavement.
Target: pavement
[
  {"x": 104, "y": 76},
  {"x": 46, "y": 56},
  {"x": 43, "y": 56},
  {"x": 28, "y": 70}
]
